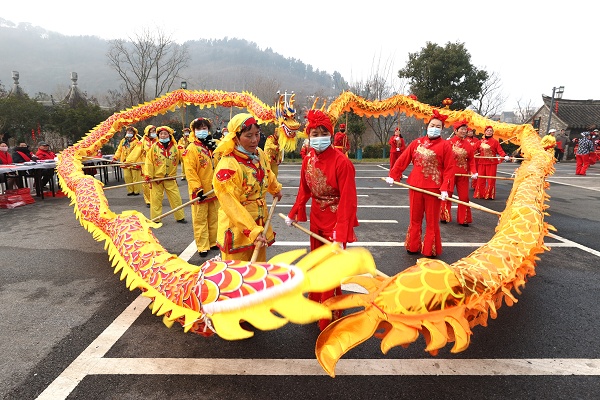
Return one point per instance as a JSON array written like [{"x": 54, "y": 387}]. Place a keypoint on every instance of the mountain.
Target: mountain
[{"x": 45, "y": 60}]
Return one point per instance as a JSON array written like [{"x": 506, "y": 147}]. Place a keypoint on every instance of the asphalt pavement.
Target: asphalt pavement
[{"x": 71, "y": 329}]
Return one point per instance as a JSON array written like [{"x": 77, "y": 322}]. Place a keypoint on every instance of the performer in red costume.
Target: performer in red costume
[
  {"x": 464, "y": 163},
  {"x": 433, "y": 169},
  {"x": 397, "y": 146},
  {"x": 340, "y": 140},
  {"x": 328, "y": 177},
  {"x": 474, "y": 141},
  {"x": 488, "y": 147}
]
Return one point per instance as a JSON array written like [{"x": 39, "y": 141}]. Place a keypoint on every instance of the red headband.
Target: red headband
[
  {"x": 437, "y": 115},
  {"x": 248, "y": 123},
  {"x": 318, "y": 118},
  {"x": 458, "y": 124}
]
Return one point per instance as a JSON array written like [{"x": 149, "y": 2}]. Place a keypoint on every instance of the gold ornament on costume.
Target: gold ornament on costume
[{"x": 427, "y": 160}]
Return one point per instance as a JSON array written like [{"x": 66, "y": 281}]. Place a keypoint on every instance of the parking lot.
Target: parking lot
[{"x": 71, "y": 329}]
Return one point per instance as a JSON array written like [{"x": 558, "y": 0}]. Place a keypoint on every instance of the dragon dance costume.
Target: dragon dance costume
[
  {"x": 487, "y": 147},
  {"x": 241, "y": 183},
  {"x": 199, "y": 168},
  {"x": 130, "y": 173},
  {"x": 139, "y": 155},
  {"x": 433, "y": 168},
  {"x": 161, "y": 162},
  {"x": 328, "y": 178},
  {"x": 464, "y": 163},
  {"x": 273, "y": 153}
]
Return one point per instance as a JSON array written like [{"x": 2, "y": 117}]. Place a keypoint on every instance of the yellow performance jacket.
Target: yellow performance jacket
[
  {"x": 241, "y": 186},
  {"x": 162, "y": 161}
]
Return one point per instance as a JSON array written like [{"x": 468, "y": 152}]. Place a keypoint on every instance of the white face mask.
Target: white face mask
[
  {"x": 129, "y": 135},
  {"x": 320, "y": 143},
  {"x": 433, "y": 132},
  {"x": 3, "y": 148},
  {"x": 201, "y": 134},
  {"x": 153, "y": 135}
]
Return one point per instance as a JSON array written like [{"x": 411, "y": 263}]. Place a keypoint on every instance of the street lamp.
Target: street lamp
[
  {"x": 558, "y": 92},
  {"x": 184, "y": 86}
]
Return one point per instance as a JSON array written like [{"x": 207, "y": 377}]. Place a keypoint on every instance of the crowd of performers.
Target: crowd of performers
[{"x": 229, "y": 180}]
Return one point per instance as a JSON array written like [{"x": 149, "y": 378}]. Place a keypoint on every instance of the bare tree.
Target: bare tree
[
  {"x": 379, "y": 86},
  {"x": 490, "y": 100},
  {"x": 148, "y": 64},
  {"x": 524, "y": 112}
]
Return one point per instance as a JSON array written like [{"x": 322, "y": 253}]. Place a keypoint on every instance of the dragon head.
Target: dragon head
[{"x": 286, "y": 121}]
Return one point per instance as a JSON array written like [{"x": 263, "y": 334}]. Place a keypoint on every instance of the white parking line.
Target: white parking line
[{"x": 356, "y": 367}]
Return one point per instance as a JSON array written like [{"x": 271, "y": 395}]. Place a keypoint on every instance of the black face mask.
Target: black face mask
[
  {"x": 342, "y": 130},
  {"x": 23, "y": 149}
]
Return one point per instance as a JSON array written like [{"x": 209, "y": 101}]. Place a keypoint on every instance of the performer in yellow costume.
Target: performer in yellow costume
[
  {"x": 139, "y": 155},
  {"x": 162, "y": 160},
  {"x": 549, "y": 141},
  {"x": 274, "y": 152},
  {"x": 130, "y": 173},
  {"x": 199, "y": 168},
  {"x": 183, "y": 143},
  {"x": 242, "y": 180}
]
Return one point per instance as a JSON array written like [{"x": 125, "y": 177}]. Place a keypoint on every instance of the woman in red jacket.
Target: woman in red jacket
[
  {"x": 5, "y": 158},
  {"x": 397, "y": 146},
  {"x": 490, "y": 155},
  {"x": 327, "y": 177}
]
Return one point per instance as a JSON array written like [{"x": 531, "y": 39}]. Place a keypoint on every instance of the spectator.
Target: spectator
[
  {"x": 44, "y": 153},
  {"x": 561, "y": 145},
  {"x": 10, "y": 178},
  {"x": 585, "y": 147},
  {"x": 22, "y": 154}
]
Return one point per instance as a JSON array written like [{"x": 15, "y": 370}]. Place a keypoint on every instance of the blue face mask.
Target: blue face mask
[
  {"x": 164, "y": 140},
  {"x": 433, "y": 133},
  {"x": 241, "y": 149},
  {"x": 153, "y": 135},
  {"x": 320, "y": 143},
  {"x": 203, "y": 134}
]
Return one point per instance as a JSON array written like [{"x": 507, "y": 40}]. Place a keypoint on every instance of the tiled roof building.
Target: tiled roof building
[{"x": 574, "y": 116}]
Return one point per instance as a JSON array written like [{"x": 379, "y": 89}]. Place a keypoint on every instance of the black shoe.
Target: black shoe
[
  {"x": 412, "y": 252},
  {"x": 136, "y": 194},
  {"x": 443, "y": 221},
  {"x": 465, "y": 224},
  {"x": 183, "y": 179},
  {"x": 214, "y": 248},
  {"x": 147, "y": 205},
  {"x": 182, "y": 221},
  {"x": 203, "y": 253},
  {"x": 130, "y": 194}
]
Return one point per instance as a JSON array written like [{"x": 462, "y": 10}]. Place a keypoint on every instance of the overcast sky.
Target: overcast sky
[{"x": 532, "y": 46}]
